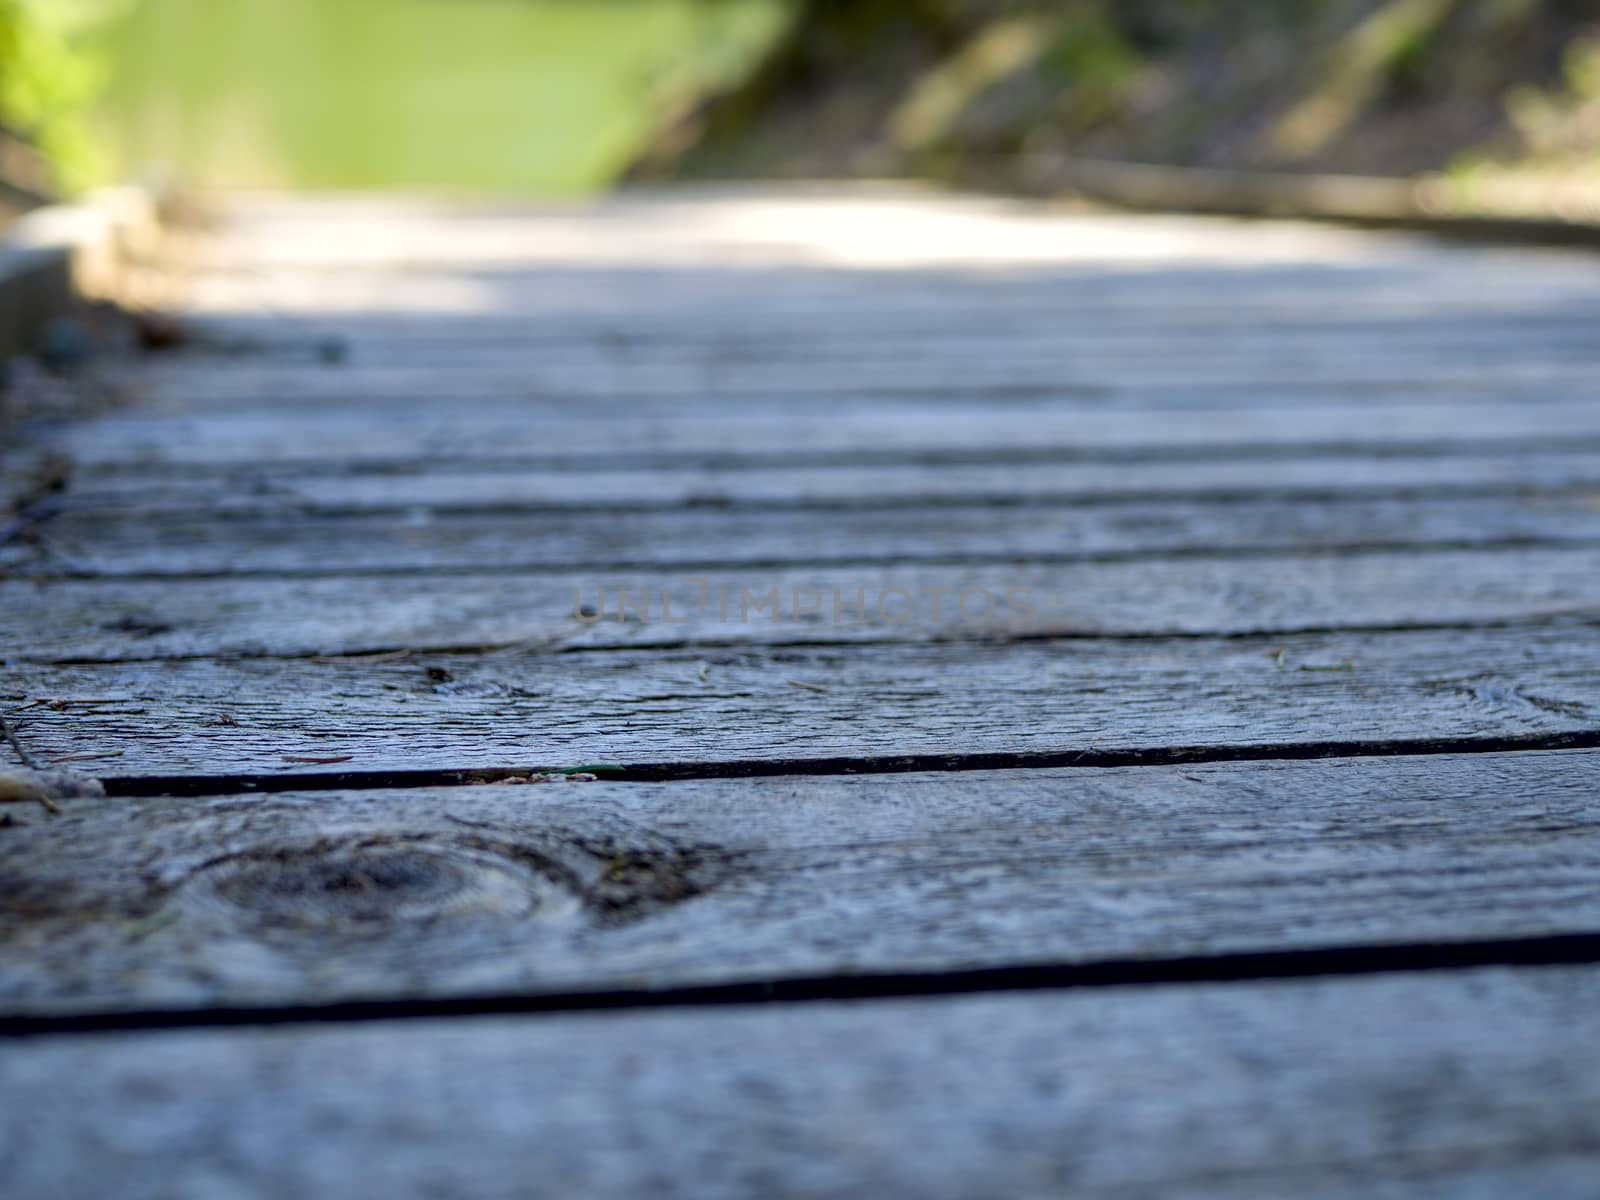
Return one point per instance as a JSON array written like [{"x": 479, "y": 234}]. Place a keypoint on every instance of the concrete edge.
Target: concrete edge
[{"x": 56, "y": 260}]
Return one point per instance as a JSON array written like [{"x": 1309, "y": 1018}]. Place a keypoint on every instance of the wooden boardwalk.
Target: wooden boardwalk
[{"x": 816, "y": 693}]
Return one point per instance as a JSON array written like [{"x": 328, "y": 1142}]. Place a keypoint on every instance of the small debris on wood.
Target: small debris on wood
[
  {"x": 32, "y": 498},
  {"x": 83, "y": 756},
  {"x": 62, "y": 703},
  {"x": 317, "y": 760},
  {"x": 1280, "y": 659},
  {"x": 24, "y": 785},
  {"x": 806, "y": 687},
  {"x": 587, "y": 773},
  {"x": 8, "y": 734},
  {"x": 143, "y": 928},
  {"x": 158, "y": 332},
  {"x": 137, "y": 626}
]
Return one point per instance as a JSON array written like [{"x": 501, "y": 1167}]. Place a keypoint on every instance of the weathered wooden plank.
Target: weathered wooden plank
[
  {"x": 423, "y": 486},
  {"x": 290, "y": 375},
  {"x": 559, "y": 302},
  {"x": 1142, "y": 356},
  {"x": 1014, "y": 327},
  {"x": 974, "y": 328},
  {"x": 1164, "y": 373},
  {"x": 559, "y": 888},
  {"x": 443, "y": 433},
  {"x": 1026, "y": 317},
  {"x": 1469, "y": 1086},
  {"x": 704, "y": 306},
  {"x": 343, "y": 613},
  {"x": 319, "y": 544},
  {"x": 978, "y": 309},
  {"x": 792, "y": 704}
]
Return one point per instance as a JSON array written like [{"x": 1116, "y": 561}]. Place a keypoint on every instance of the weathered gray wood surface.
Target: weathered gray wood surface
[
  {"x": 446, "y": 432},
  {"x": 130, "y": 620},
  {"x": 1478, "y": 1085},
  {"x": 317, "y": 544},
  {"x": 848, "y": 702},
  {"x": 1052, "y": 366},
  {"x": 580, "y": 887},
  {"x": 423, "y": 487},
  {"x": 1266, "y": 494}
]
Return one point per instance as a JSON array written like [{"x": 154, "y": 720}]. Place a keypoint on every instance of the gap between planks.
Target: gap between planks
[
  {"x": 1338, "y": 962},
  {"x": 193, "y": 786}
]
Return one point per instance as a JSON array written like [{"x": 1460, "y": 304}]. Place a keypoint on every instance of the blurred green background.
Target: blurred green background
[
  {"x": 550, "y": 96},
  {"x": 567, "y": 96}
]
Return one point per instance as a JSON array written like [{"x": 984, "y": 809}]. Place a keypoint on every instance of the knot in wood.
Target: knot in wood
[{"x": 363, "y": 884}]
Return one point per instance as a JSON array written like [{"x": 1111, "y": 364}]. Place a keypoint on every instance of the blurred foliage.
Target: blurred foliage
[
  {"x": 1556, "y": 123},
  {"x": 48, "y": 82},
  {"x": 1551, "y": 158},
  {"x": 499, "y": 95},
  {"x": 1094, "y": 59},
  {"x": 1365, "y": 86},
  {"x": 565, "y": 95},
  {"x": 1392, "y": 39}
]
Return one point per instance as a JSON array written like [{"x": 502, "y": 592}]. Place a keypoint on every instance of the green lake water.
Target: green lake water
[{"x": 547, "y": 96}]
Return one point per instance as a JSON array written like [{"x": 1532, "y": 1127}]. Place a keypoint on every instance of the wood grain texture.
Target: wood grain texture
[
  {"x": 1475, "y": 1086},
  {"x": 315, "y": 898},
  {"x": 1059, "y": 365},
  {"x": 1224, "y": 595},
  {"x": 781, "y": 704},
  {"x": 1269, "y": 494},
  {"x": 979, "y": 311},
  {"x": 320, "y": 544},
  {"x": 443, "y": 433},
  {"x": 421, "y": 486},
  {"x": 856, "y": 317}
]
